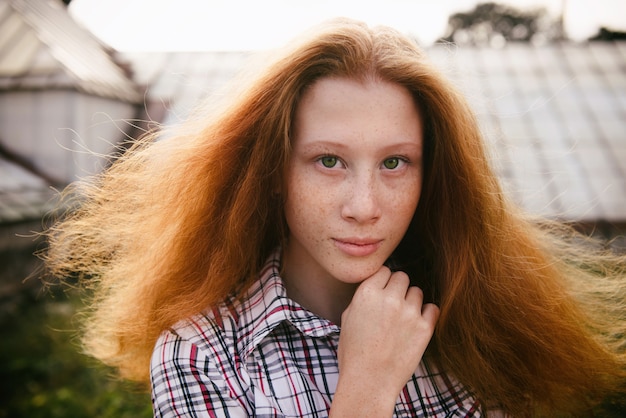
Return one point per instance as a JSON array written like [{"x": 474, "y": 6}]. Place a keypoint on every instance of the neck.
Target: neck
[{"x": 321, "y": 294}]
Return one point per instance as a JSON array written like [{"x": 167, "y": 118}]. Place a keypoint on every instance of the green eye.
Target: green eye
[
  {"x": 329, "y": 161},
  {"x": 391, "y": 163}
]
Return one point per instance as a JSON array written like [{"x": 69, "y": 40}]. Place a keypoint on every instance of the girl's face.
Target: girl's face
[{"x": 354, "y": 178}]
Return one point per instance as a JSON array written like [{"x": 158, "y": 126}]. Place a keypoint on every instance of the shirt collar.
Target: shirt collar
[{"x": 266, "y": 305}]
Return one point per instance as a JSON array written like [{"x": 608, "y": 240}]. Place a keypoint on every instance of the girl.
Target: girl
[{"x": 334, "y": 242}]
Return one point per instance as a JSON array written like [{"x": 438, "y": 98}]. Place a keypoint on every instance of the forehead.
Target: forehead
[
  {"x": 327, "y": 90},
  {"x": 346, "y": 107}
]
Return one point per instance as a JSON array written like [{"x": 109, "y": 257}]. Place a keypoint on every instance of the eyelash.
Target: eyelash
[{"x": 400, "y": 160}]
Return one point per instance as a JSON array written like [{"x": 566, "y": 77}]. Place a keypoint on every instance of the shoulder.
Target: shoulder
[
  {"x": 230, "y": 329},
  {"x": 195, "y": 370},
  {"x": 201, "y": 349},
  {"x": 208, "y": 330}
]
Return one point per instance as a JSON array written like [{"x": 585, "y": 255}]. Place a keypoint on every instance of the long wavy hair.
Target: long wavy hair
[{"x": 532, "y": 316}]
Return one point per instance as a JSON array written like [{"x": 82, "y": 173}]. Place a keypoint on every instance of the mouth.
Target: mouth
[{"x": 357, "y": 247}]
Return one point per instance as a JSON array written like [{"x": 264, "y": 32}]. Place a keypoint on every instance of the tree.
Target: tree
[
  {"x": 496, "y": 24},
  {"x": 606, "y": 34}
]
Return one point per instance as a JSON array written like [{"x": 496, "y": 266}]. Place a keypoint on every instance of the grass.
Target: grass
[{"x": 43, "y": 373}]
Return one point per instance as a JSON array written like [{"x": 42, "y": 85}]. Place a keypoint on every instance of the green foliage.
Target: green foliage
[
  {"x": 496, "y": 24},
  {"x": 43, "y": 373},
  {"x": 613, "y": 406}
]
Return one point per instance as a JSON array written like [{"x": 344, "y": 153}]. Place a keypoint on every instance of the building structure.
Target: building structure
[
  {"x": 64, "y": 98},
  {"x": 554, "y": 116}
]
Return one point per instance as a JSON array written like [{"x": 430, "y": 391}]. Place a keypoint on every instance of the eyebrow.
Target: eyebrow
[{"x": 331, "y": 144}]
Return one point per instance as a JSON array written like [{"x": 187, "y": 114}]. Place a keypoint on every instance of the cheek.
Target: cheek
[
  {"x": 403, "y": 203},
  {"x": 305, "y": 206},
  {"x": 307, "y": 210},
  {"x": 413, "y": 197},
  {"x": 405, "y": 195},
  {"x": 308, "y": 191}
]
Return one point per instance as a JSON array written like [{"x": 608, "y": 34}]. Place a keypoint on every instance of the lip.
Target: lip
[{"x": 358, "y": 247}]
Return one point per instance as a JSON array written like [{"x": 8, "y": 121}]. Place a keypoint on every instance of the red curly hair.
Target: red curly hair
[{"x": 530, "y": 319}]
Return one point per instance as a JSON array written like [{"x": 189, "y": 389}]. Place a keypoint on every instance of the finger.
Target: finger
[
  {"x": 398, "y": 283},
  {"x": 430, "y": 313},
  {"x": 379, "y": 279},
  {"x": 415, "y": 295}
]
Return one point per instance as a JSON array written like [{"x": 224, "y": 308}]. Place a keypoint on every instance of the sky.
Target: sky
[{"x": 188, "y": 25}]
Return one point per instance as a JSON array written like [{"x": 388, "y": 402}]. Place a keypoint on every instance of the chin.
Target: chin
[{"x": 356, "y": 273}]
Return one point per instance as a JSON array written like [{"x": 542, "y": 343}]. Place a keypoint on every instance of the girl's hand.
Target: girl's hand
[{"x": 385, "y": 332}]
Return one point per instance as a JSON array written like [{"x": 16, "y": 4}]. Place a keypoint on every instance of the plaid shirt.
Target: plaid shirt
[{"x": 269, "y": 357}]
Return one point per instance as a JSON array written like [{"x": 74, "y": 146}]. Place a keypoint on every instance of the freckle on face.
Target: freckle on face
[{"x": 345, "y": 219}]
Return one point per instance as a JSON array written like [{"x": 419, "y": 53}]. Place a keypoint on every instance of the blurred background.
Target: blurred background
[{"x": 546, "y": 78}]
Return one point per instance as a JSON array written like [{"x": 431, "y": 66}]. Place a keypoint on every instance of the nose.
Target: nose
[{"x": 361, "y": 202}]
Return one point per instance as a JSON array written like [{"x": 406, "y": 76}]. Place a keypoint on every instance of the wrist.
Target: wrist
[{"x": 363, "y": 397}]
